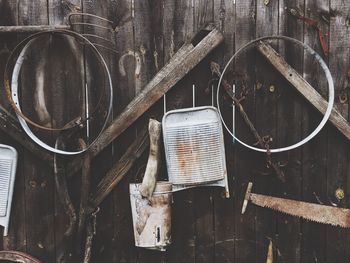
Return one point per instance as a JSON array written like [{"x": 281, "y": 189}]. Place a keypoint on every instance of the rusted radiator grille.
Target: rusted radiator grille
[{"x": 194, "y": 146}]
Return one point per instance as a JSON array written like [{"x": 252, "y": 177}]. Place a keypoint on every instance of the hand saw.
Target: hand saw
[{"x": 335, "y": 216}]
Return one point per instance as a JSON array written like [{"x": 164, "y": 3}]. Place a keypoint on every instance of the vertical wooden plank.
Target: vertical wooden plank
[
  {"x": 39, "y": 187},
  {"x": 178, "y": 27},
  {"x": 16, "y": 240},
  {"x": 224, "y": 210},
  {"x": 338, "y": 169},
  {"x": 8, "y": 16},
  {"x": 203, "y": 197},
  {"x": 103, "y": 244},
  {"x": 314, "y": 164},
  {"x": 124, "y": 249},
  {"x": 144, "y": 41},
  {"x": 266, "y": 120},
  {"x": 66, "y": 57},
  {"x": 289, "y": 114},
  {"x": 244, "y": 242},
  {"x": 203, "y": 13}
]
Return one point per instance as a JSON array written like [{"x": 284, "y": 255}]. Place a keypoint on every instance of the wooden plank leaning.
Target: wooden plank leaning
[
  {"x": 120, "y": 169},
  {"x": 185, "y": 59},
  {"x": 304, "y": 88}
]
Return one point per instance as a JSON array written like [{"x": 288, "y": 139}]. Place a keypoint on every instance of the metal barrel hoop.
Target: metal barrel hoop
[
  {"x": 12, "y": 90},
  {"x": 330, "y": 93}
]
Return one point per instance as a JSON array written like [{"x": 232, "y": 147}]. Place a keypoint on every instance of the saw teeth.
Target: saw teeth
[{"x": 306, "y": 219}]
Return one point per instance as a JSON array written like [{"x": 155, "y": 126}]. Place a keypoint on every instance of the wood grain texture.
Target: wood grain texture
[
  {"x": 39, "y": 187},
  {"x": 143, "y": 36},
  {"x": 305, "y": 89},
  {"x": 289, "y": 121},
  {"x": 206, "y": 228},
  {"x": 16, "y": 240},
  {"x": 65, "y": 55},
  {"x": 186, "y": 58},
  {"x": 123, "y": 238},
  {"x": 314, "y": 153},
  {"x": 178, "y": 28},
  {"x": 224, "y": 209},
  {"x": 160, "y": 84},
  {"x": 203, "y": 197},
  {"x": 338, "y": 169},
  {"x": 102, "y": 245},
  {"x": 267, "y": 23},
  {"x": 244, "y": 239},
  {"x": 30, "y": 29}
]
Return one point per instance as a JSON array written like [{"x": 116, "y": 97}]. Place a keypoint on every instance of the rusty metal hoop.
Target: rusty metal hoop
[
  {"x": 12, "y": 91},
  {"x": 330, "y": 93}
]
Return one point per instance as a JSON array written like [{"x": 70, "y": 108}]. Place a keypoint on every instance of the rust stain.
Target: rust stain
[{"x": 182, "y": 148}]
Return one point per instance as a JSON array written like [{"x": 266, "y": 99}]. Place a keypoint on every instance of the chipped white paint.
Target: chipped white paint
[{"x": 152, "y": 218}]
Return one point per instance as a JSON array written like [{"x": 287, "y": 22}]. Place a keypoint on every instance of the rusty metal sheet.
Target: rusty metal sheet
[{"x": 194, "y": 147}]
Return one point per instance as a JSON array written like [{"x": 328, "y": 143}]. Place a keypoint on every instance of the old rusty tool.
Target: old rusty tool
[
  {"x": 153, "y": 163},
  {"x": 314, "y": 24},
  {"x": 17, "y": 256},
  {"x": 215, "y": 68},
  {"x": 335, "y": 216},
  {"x": 303, "y": 87},
  {"x": 185, "y": 59}
]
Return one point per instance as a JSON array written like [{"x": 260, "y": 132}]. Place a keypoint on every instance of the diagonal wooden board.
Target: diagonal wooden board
[{"x": 304, "y": 88}]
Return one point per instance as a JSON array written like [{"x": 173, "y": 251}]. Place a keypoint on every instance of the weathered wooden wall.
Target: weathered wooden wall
[{"x": 206, "y": 227}]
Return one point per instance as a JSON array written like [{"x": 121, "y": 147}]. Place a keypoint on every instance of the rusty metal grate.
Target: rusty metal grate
[
  {"x": 5, "y": 178},
  {"x": 194, "y": 146},
  {"x": 8, "y": 164}
]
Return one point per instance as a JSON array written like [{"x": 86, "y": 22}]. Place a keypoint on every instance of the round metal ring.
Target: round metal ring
[
  {"x": 330, "y": 95},
  {"x": 14, "y": 91},
  {"x": 13, "y": 96}
]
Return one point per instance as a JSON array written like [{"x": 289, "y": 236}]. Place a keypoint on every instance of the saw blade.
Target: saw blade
[{"x": 335, "y": 216}]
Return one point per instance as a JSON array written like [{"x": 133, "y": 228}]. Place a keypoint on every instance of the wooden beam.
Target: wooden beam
[
  {"x": 31, "y": 29},
  {"x": 304, "y": 88},
  {"x": 12, "y": 128},
  {"x": 185, "y": 59},
  {"x": 120, "y": 169}
]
